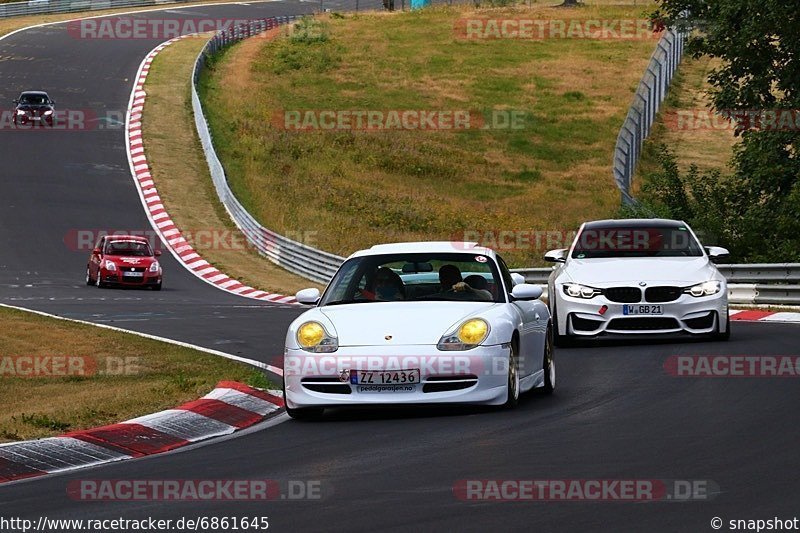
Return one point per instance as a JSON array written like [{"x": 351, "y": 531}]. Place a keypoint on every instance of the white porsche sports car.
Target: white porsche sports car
[
  {"x": 414, "y": 323},
  {"x": 637, "y": 276}
]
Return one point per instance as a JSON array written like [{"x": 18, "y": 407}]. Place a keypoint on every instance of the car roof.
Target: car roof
[
  {"x": 115, "y": 238},
  {"x": 426, "y": 247},
  {"x": 33, "y": 93},
  {"x": 633, "y": 223}
]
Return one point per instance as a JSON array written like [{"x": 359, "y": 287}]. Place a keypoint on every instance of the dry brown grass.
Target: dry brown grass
[
  {"x": 357, "y": 189},
  {"x": 181, "y": 174},
  {"x": 161, "y": 376},
  {"x": 708, "y": 149}
]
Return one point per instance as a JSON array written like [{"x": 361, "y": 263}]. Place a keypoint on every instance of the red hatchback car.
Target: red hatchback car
[{"x": 124, "y": 260}]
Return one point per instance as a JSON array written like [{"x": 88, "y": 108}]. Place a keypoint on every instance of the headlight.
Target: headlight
[
  {"x": 20, "y": 112},
  {"x": 468, "y": 335},
  {"x": 109, "y": 265},
  {"x": 703, "y": 289},
  {"x": 154, "y": 266},
  {"x": 581, "y": 291},
  {"x": 48, "y": 112},
  {"x": 313, "y": 337}
]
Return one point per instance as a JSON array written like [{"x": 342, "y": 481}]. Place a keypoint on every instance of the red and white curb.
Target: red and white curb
[
  {"x": 763, "y": 316},
  {"x": 159, "y": 218},
  {"x": 231, "y": 406}
]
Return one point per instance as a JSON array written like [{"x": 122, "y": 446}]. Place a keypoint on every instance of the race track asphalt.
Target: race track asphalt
[{"x": 616, "y": 414}]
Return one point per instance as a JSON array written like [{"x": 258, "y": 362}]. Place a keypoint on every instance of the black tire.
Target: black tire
[
  {"x": 89, "y": 280},
  {"x": 157, "y": 287},
  {"x": 559, "y": 341},
  {"x": 549, "y": 364},
  {"x": 723, "y": 336},
  {"x": 97, "y": 283},
  {"x": 512, "y": 382}
]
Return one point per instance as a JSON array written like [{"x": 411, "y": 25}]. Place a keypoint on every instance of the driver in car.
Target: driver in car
[{"x": 453, "y": 285}]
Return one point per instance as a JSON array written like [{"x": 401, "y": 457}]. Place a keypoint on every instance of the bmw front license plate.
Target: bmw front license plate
[
  {"x": 385, "y": 380},
  {"x": 133, "y": 274},
  {"x": 642, "y": 309}
]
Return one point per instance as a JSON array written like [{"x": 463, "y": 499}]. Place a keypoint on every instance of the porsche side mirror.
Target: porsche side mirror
[
  {"x": 556, "y": 256},
  {"x": 308, "y": 296},
  {"x": 517, "y": 278},
  {"x": 526, "y": 291}
]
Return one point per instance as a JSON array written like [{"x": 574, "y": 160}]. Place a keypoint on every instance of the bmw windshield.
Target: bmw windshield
[
  {"x": 415, "y": 277},
  {"x": 619, "y": 241}
]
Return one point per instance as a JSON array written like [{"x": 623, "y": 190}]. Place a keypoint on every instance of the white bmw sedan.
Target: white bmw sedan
[
  {"x": 634, "y": 277},
  {"x": 418, "y": 323}
]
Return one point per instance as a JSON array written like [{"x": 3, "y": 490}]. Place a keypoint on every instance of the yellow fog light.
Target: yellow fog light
[
  {"x": 310, "y": 334},
  {"x": 473, "y": 331}
]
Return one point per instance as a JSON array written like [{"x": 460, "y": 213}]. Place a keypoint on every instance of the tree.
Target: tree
[{"x": 758, "y": 83}]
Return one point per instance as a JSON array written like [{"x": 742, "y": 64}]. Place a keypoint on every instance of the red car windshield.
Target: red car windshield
[{"x": 129, "y": 248}]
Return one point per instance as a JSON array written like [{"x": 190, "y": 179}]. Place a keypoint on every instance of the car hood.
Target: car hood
[
  {"x": 30, "y": 107},
  {"x": 408, "y": 323},
  {"x": 661, "y": 270},
  {"x": 126, "y": 261}
]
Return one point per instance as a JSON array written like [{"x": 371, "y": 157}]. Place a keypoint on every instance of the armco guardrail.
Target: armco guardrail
[
  {"x": 646, "y": 102},
  {"x": 747, "y": 284},
  {"x": 40, "y": 7},
  {"x": 292, "y": 255}
]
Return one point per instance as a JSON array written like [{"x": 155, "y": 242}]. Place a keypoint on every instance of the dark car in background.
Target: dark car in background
[{"x": 34, "y": 107}]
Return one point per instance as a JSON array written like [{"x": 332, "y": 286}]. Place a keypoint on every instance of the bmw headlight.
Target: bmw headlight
[
  {"x": 313, "y": 337},
  {"x": 109, "y": 265},
  {"x": 576, "y": 290},
  {"x": 48, "y": 112},
  {"x": 704, "y": 289},
  {"x": 468, "y": 335},
  {"x": 154, "y": 266},
  {"x": 20, "y": 112}
]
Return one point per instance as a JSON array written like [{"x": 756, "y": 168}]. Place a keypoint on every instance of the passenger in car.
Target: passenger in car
[{"x": 451, "y": 282}]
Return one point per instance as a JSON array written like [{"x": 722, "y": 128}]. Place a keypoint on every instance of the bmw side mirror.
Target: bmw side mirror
[
  {"x": 308, "y": 296},
  {"x": 526, "y": 291},
  {"x": 96, "y": 251},
  {"x": 556, "y": 256},
  {"x": 717, "y": 253}
]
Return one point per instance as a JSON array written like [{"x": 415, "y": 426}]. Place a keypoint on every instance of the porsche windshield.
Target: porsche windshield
[
  {"x": 415, "y": 277},
  {"x": 620, "y": 241},
  {"x": 129, "y": 248}
]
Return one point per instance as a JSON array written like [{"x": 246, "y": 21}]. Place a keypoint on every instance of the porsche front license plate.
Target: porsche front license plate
[
  {"x": 384, "y": 377},
  {"x": 642, "y": 309}
]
